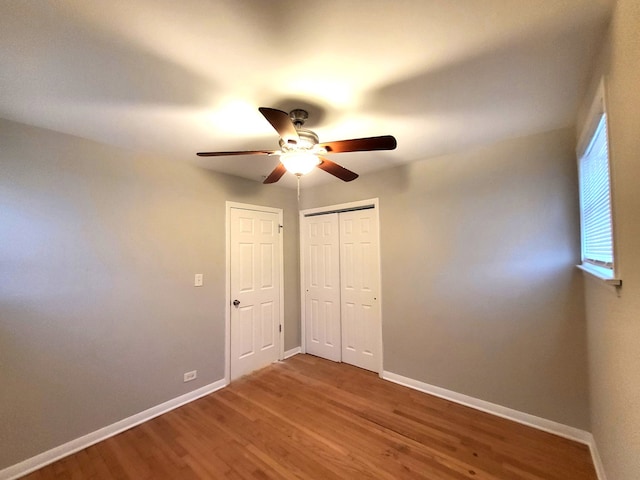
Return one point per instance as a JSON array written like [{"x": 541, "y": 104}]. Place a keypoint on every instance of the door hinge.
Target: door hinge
[{"x": 280, "y": 328}]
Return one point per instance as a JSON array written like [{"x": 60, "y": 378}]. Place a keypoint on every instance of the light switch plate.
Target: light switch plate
[{"x": 199, "y": 280}]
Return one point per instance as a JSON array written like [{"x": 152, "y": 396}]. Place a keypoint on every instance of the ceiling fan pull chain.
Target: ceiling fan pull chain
[{"x": 298, "y": 178}]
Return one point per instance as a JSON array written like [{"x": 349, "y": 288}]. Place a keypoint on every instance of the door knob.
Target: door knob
[{"x": 236, "y": 303}]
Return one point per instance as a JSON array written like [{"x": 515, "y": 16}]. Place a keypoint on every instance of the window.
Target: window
[{"x": 595, "y": 195}]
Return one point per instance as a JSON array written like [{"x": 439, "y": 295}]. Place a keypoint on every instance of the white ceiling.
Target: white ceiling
[{"x": 177, "y": 77}]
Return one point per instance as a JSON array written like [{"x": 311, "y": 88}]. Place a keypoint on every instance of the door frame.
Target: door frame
[
  {"x": 337, "y": 208},
  {"x": 227, "y": 293}
]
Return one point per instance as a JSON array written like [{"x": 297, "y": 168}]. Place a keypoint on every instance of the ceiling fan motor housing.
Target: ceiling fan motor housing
[
  {"x": 298, "y": 117},
  {"x": 307, "y": 141}
]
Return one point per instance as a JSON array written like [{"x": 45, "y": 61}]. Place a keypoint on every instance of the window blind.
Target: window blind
[{"x": 595, "y": 198}]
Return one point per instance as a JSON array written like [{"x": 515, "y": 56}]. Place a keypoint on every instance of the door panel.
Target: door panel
[
  {"x": 360, "y": 279},
  {"x": 349, "y": 329},
  {"x": 268, "y": 322},
  {"x": 255, "y": 284},
  {"x": 244, "y": 325},
  {"x": 322, "y": 285}
]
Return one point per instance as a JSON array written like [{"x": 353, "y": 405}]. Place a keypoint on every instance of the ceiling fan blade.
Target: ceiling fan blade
[
  {"x": 385, "y": 142},
  {"x": 226, "y": 154},
  {"x": 337, "y": 170},
  {"x": 276, "y": 174},
  {"x": 282, "y": 123}
]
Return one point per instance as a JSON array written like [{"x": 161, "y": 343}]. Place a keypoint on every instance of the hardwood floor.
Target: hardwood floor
[{"x": 314, "y": 419}]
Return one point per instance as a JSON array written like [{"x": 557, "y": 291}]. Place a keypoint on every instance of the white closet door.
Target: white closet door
[
  {"x": 360, "y": 280},
  {"x": 322, "y": 285}
]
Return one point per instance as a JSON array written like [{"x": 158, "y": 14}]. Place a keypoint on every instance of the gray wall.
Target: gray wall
[
  {"x": 479, "y": 290},
  {"x": 99, "y": 318},
  {"x": 614, "y": 317}
]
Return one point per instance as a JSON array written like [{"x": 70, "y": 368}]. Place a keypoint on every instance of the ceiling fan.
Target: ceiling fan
[{"x": 300, "y": 150}]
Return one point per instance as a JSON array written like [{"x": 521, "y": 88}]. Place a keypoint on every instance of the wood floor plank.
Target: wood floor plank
[{"x": 309, "y": 418}]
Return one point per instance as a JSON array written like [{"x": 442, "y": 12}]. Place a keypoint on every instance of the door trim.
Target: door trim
[
  {"x": 374, "y": 202},
  {"x": 227, "y": 278}
]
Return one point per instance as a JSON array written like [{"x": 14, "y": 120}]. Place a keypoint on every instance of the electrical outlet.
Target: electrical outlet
[
  {"x": 192, "y": 375},
  {"x": 199, "y": 280}
]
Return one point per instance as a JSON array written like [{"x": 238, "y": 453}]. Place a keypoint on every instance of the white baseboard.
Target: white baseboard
[
  {"x": 292, "y": 352},
  {"x": 34, "y": 463},
  {"x": 540, "y": 423},
  {"x": 597, "y": 461}
]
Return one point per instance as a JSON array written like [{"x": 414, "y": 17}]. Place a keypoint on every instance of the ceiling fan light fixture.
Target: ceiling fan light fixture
[{"x": 299, "y": 163}]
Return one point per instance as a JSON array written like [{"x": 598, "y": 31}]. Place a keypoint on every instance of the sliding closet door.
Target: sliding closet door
[
  {"x": 322, "y": 285},
  {"x": 360, "y": 280}
]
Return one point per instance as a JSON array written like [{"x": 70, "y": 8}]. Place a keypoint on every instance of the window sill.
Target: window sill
[{"x": 601, "y": 273}]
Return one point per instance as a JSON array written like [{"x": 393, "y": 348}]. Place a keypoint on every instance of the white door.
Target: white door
[
  {"x": 360, "y": 280},
  {"x": 322, "y": 285},
  {"x": 255, "y": 290}
]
